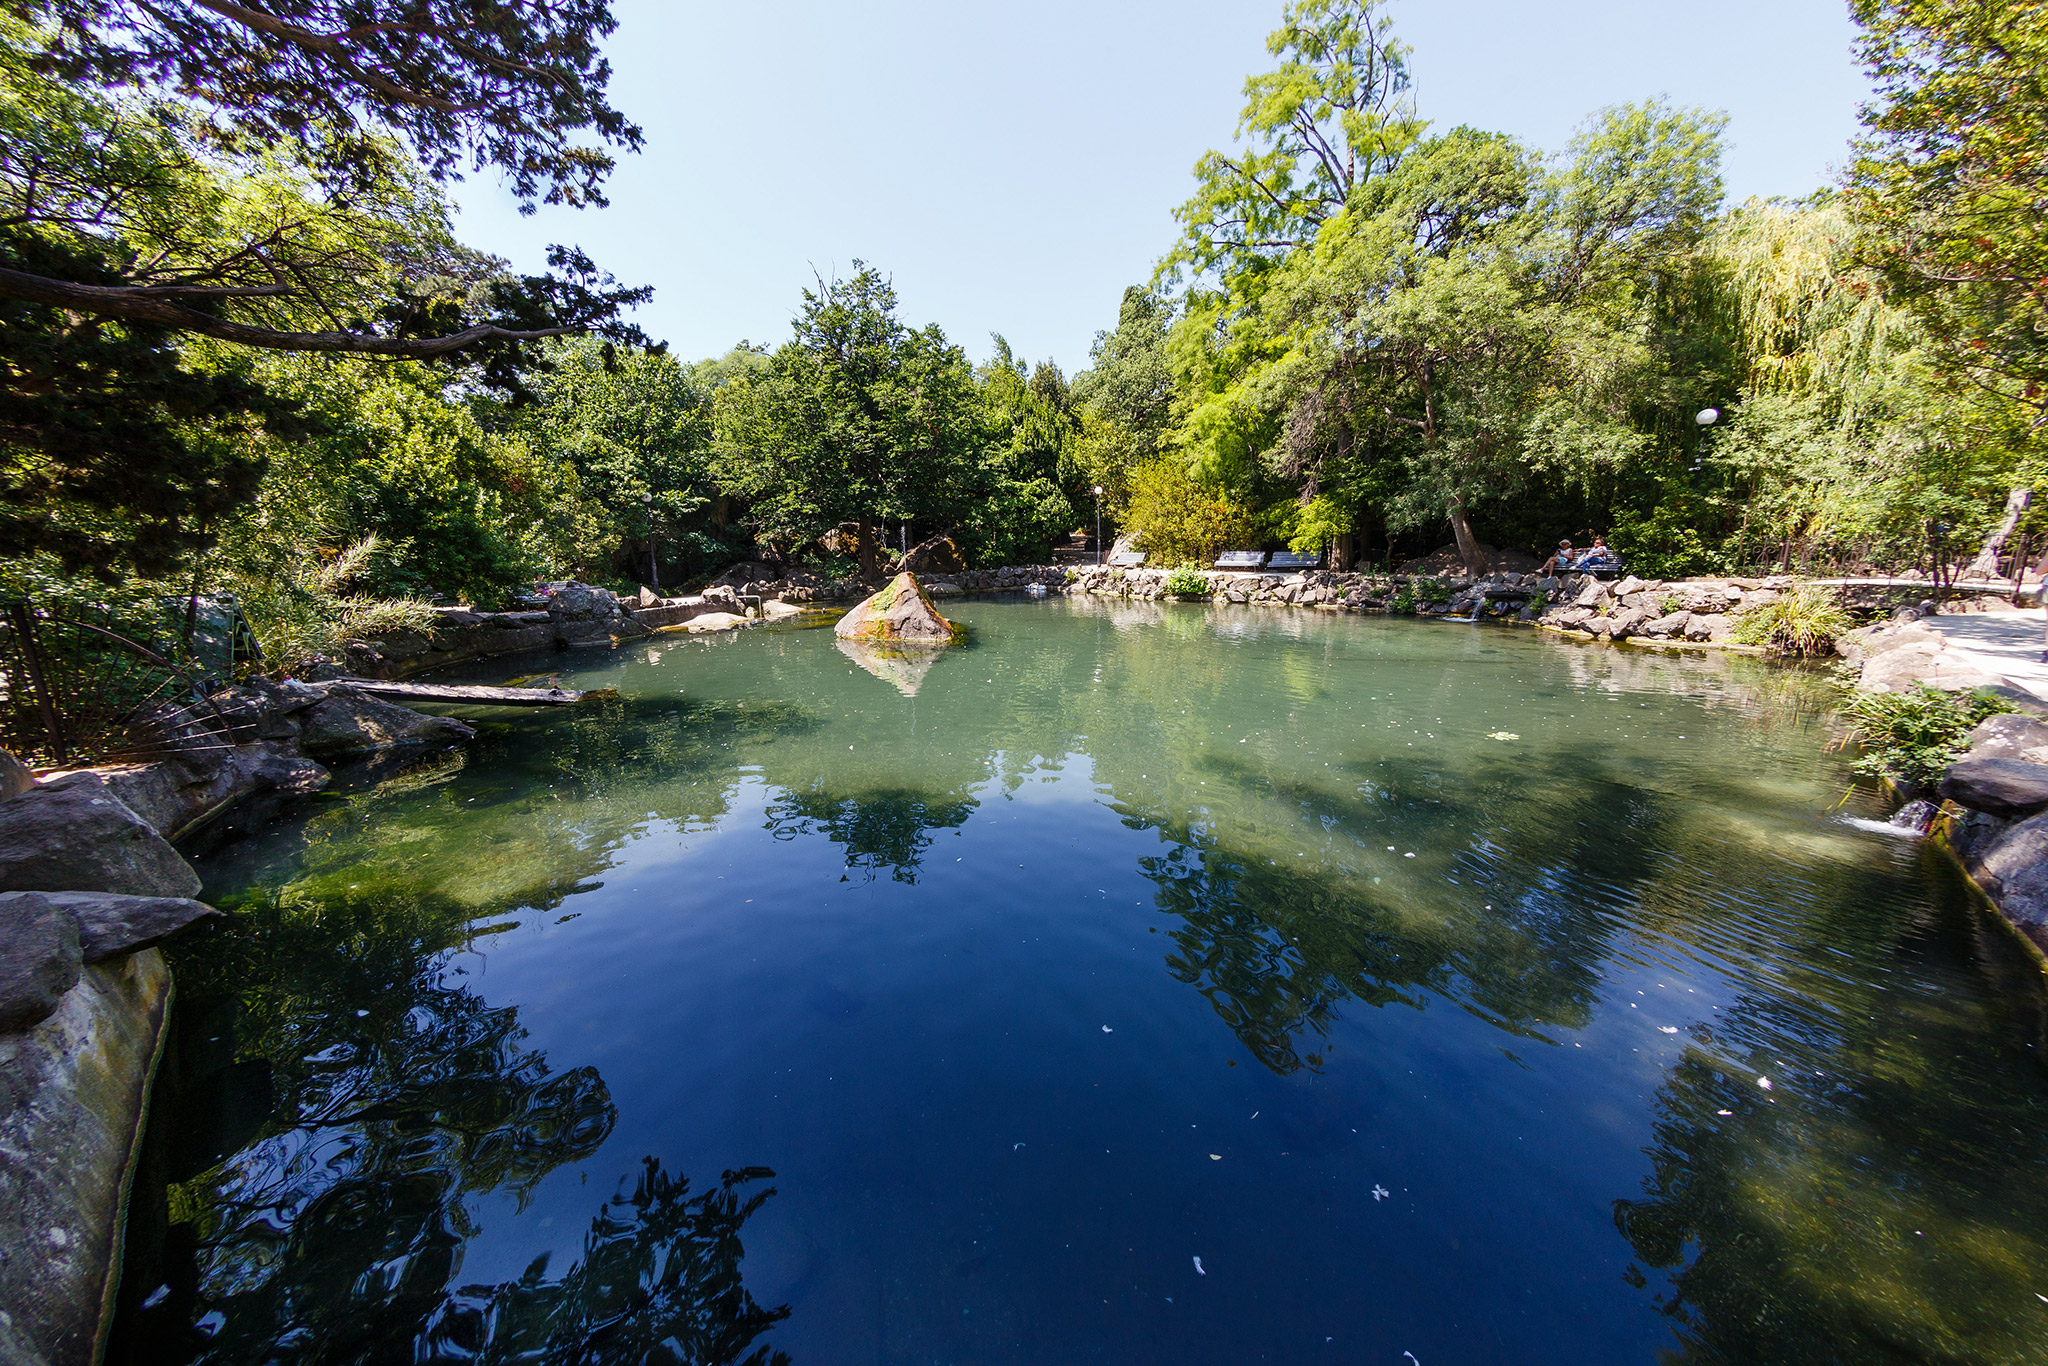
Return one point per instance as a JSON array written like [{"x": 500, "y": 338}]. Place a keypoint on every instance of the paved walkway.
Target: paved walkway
[{"x": 2005, "y": 642}]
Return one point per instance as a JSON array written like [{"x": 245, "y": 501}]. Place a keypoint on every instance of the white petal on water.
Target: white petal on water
[
  {"x": 1764, "y": 1082},
  {"x": 1198, "y": 1267}
]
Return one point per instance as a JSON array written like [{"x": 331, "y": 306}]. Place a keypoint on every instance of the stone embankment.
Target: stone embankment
[{"x": 89, "y": 886}]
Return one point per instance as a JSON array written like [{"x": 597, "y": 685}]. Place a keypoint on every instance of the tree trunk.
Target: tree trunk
[
  {"x": 1468, "y": 544},
  {"x": 1986, "y": 563},
  {"x": 866, "y": 532},
  {"x": 1344, "y": 551}
]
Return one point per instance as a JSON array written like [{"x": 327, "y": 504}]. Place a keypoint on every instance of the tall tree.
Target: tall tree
[
  {"x": 1952, "y": 184},
  {"x": 124, "y": 108},
  {"x": 856, "y": 419}
]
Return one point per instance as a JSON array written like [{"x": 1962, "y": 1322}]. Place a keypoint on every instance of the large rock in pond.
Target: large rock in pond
[
  {"x": 46, "y": 938},
  {"x": 348, "y": 723},
  {"x": 900, "y": 614},
  {"x": 72, "y": 835}
]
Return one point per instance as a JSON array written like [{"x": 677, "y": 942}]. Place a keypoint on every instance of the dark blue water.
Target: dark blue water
[{"x": 1138, "y": 984}]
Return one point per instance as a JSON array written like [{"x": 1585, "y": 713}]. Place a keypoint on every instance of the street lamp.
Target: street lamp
[
  {"x": 1098, "y": 524},
  {"x": 1705, "y": 417},
  {"x": 653, "y": 568}
]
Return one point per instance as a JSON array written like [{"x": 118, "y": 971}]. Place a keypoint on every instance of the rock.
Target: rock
[
  {"x": 40, "y": 958},
  {"x": 72, "y": 1092},
  {"x": 1592, "y": 593},
  {"x": 580, "y": 602},
  {"x": 1917, "y": 815},
  {"x": 779, "y": 608},
  {"x": 1665, "y": 627},
  {"x": 347, "y": 723},
  {"x": 939, "y": 555},
  {"x": 2013, "y": 871},
  {"x": 16, "y": 777},
  {"x": 108, "y": 924},
  {"x": 899, "y": 614},
  {"x": 1628, "y": 585},
  {"x": 172, "y": 795},
  {"x": 943, "y": 588},
  {"x": 715, "y": 621},
  {"x": 2004, "y": 787},
  {"x": 71, "y": 834},
  {"x": 648, "y": 597},
  {"x": 2011, "y": 736}
]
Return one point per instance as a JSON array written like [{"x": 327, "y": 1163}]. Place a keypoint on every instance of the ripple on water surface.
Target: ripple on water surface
[{"x": 1442, "y": 989}]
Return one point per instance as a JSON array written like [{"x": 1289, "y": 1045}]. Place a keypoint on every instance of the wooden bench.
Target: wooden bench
[
  {"x": 1288, "y": 559},
  {"x": 1127, "y": 559},
  {"x": 1241, "y": 561}
]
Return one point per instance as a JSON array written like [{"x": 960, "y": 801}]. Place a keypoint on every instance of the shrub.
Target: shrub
[
  {"x": 1805, "y": 621},
  {"x": 1176, "y": 518},
  {"x": 1913, "y": 737},
  {"x": 1187, "y": 582}
]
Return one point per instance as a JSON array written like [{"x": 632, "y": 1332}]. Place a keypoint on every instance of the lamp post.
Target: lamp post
[
  {"x": 1098, "y": 524},
  {"x": 653, "y": 567},
  {"x": 1705, "y": 417}
]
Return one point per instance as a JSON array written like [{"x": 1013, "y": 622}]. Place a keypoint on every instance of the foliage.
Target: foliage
[
  {"x": 1187, "y": 582},
  {"x": 1805, "y": 620},
  {"x": 248, "y": 163},
  {"x": 1023, "y": 489},
  {"x": 1174, "y": 518},
  {"x": 304, "y": 606},
  {"x": 1950, "y": 181},
  {"x": 1915, "y": 736},
  {"x": 857, "y": 419},
  {"x": 1125, "y": 397}
]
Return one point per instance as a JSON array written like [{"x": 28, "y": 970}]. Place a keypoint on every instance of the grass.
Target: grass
[{"x": 1805, "y": 621}]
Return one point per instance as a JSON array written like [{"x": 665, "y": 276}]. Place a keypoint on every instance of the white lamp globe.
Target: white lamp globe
[{"x": 1707, "y": 417}]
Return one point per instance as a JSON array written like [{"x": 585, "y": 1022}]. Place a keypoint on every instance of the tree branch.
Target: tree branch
[{"x": 143, "y": 304}]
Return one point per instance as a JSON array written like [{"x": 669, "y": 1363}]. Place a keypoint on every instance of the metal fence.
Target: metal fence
[{"x": 82, "y": 685}]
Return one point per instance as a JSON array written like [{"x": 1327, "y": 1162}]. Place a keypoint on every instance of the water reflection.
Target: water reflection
[
  {"x": 658, "y": 1283},
  {"x": 1334, "y": 829}
]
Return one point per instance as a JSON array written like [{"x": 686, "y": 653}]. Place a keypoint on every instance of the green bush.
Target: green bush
[
  {"x": 1187, "y": 582},
  {"x": 1913, "y": 737},
  {"x": 1805, "y": 621}
]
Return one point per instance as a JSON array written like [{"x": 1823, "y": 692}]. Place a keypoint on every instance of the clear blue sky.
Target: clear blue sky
[{"x": 1013, "y": 167}]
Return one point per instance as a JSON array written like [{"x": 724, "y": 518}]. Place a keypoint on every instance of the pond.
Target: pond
[{"x": 1140, "y": 983}]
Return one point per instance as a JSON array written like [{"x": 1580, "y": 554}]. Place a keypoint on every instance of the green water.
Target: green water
[{"x": 1420, "y": 980}]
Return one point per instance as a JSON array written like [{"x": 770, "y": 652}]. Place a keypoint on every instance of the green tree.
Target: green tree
[
  {"x": 1126, "y": 396},
  {"x": 161, "y": 92},
  {"x": 856, "y": 419},
  {"x": 1024, "y": 468},
  {"x": 1950, "y": 181}
]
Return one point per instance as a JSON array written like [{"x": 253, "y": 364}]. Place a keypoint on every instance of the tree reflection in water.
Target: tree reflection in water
[
  {"x": 658, "y": 1283},
  {"x": 878, "y": 829},
  {"x": 1862, "y": 1209},
  {"x": 336, "y": 1232}
]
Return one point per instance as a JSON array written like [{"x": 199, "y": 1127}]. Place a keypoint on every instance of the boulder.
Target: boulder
[
  {"x": 71, "y": 834},
  {"x": 40, "y": 959},
  {"x": 2003, "y": 787},
  {"x": 1708, "y": 626},
  {"x": 2013, "y": 871},
  {"x": 1663, "y": 628},
  {"x": 2011, "y": 736},
  {"x": 900, "y": 614},
  {"x": 348, "y": 723},
  {"x": 109, "y": 924},
  {"x": 939, "y": 555},
  {"x": 173, "y": 794},
  {"x": 944, "y": 588}
]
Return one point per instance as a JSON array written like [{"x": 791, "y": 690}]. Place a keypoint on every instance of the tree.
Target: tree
[
  {"x": 1126, "y": 395},
  {"x": 1024, "y": 472},
  {"x": 1331, "y": 116},
  {"x": 1951, "y": 184},
  {"x": 857, "y": 419},
  {"x": 121, "y": 108}
]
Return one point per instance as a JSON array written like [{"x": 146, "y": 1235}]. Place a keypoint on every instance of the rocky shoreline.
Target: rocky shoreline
[{"x": 89, "y": 886}]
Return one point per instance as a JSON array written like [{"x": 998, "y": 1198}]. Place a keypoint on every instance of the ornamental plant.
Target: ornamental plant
[
  {"x": 1915, "y": 736},
  {"x": 1187, "y": 582}
]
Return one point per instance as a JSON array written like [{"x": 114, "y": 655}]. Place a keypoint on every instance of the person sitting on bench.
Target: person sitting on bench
[
  {"x": 1561, "y": 560},
  {"x": 1599, "y": 557}
]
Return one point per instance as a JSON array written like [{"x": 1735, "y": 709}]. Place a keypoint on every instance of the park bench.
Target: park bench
[
  {"x": 1127, "y": 559},
  {"x": 1241, "y": 561},
  {"x": 1291, "y": 560}
]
